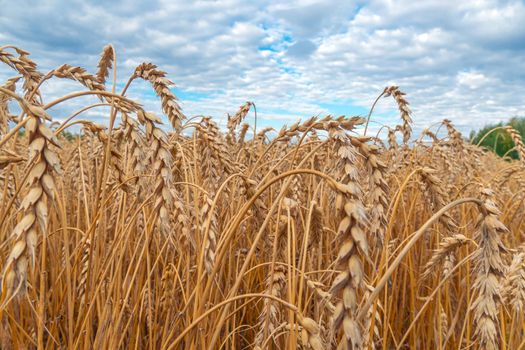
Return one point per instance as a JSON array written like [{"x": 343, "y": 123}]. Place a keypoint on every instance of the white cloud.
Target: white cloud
[
  {"x": 458, "y": 60},
  {"x": 473, "y": 80}
]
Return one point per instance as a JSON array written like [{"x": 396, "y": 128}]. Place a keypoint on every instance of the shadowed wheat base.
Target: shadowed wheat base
[{"x": 137, "y": 235}]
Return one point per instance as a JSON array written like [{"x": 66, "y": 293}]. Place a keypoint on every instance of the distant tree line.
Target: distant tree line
[
  {"x": 64, "y": 134},
  {"x": 499, "y": 140}
]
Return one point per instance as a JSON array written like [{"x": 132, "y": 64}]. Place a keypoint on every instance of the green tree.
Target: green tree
[
  {"x": 499, "y": 140},
  {"x": 68, "y": 135}
]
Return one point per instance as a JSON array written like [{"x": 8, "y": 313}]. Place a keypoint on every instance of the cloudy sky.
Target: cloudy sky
[{"x": 462, "y": 60}]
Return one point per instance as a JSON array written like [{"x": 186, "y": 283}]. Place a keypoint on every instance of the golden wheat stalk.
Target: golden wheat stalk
[
  {"x": 34, "y": 206},
  {"x": 161, "y": 84}
]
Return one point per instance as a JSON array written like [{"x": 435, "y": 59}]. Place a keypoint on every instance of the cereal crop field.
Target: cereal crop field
[{"x": 140, "y": 234}]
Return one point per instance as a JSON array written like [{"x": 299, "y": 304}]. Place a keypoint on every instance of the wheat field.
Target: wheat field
[{"x": 320, "y": 235}]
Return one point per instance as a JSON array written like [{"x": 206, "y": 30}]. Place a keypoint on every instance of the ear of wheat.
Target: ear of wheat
[
  {"x": 490, "y": 269},
  {"x": 105, "y": 63},
  {"x": 161, "y": 84}
]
